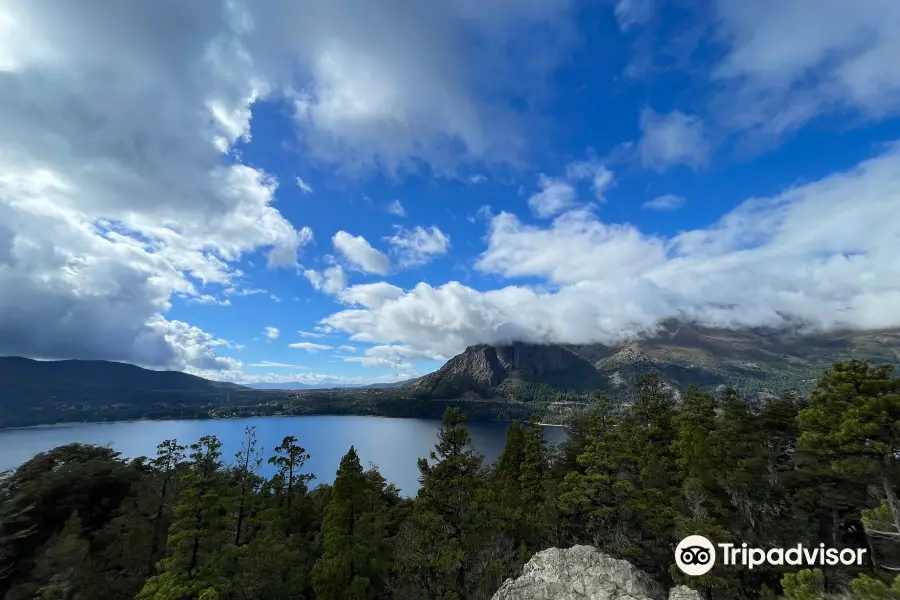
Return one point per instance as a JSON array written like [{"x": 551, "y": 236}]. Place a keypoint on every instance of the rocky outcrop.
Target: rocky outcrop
[
  {"x": 584, "y": 573},
  {"x": 759, "y": 363},
  {"x": 683, "y": 592},
  {"x": 483, "y": 370}
]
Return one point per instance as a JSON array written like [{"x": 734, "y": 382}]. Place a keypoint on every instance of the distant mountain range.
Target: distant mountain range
[
  {"x": 755, "y": 361},
  {"x": 299, "y": 385},
  {"x": 325, "y": 385}
]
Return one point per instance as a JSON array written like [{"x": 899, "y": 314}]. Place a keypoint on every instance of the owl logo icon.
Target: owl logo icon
[{"x": 695, "y": 555}]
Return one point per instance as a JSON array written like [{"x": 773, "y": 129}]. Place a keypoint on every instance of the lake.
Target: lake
[{"x": 394, "y": 445}]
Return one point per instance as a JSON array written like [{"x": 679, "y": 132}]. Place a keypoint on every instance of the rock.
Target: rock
[
  {"x": 580, "y": 573},
  {"x": 683, "y": 592}
]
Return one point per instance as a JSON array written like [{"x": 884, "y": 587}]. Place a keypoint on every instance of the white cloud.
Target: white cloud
[
  {"x": 477, "y": 179},
  {"x": 378, "y": 101},
  {"x": 347, "y": 348},
  {"x": 209, "y": 299},
  {"x": 244, "y": 378},
  {"x": 371, "y": 295},
  {"x": 275, "y": 365},
  {"x": 558, "y": 194},
  {"x": 305, "y": 187},
  {"x": 271, "y": 333},
  {"x": 360, "y": 253},
  {"x": 389, "y": 356},
  {"x": 665, "y": 202},
  {"x": 788, "y": 62},
  {"x": 417, "y": 246},
  {"x": 821, "y": 254},
  {"x": 310, "y": 334},
  {"x": 115, "y": 192},
  {"x": 309, "y": 346},
  {"x": 630, "y": 13},
  {"x": 554, "y": 197},
  {"x": 244, "y": 292},
  {"x": 396, "y": 208},
  {"x": 671, "y": 139},
  {"x": 119, "y": 186},
  {"x": 331, "y": 281}
]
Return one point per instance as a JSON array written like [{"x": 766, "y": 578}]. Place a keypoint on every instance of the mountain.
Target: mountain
[
  {"x": 32, "y": 386},
  {"x": 60, "y": 376},
  {"x": 755, "y": 361},
  {"x": 298, "y": 385},
  {"x": 390, "y": 385}
]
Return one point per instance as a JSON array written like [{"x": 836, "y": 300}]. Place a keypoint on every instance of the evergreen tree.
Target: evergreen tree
[
  {"x": 198, "y": 532},
  {"x": 442, "y": 553},
  {"x": 62, "y": 565},
  {"x": 537, "y": 508},
  {"x": 853, "y": 422},
  {"x": 703, "y": 502},
  {"x": 248, "y": 460},
  {"x": 169, "y": 455},
  {"x": 291, "y": 484},
  {"x": 353, "y": 564}
]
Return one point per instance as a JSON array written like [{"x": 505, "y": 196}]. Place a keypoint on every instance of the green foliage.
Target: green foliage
[
  {"x": 80, "y": 523},
  {"x": 808, "y": 584},
  {"x": 354, "y": 535}
]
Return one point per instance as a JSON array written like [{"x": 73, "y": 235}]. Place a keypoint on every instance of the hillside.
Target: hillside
[
  {"x": 299, "y": 385},
  {"x": 757, "y": 361},
  {"x": 36, "y": 386}
]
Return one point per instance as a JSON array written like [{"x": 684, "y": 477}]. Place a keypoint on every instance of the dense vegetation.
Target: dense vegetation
[{"x": 79, "y": 522}]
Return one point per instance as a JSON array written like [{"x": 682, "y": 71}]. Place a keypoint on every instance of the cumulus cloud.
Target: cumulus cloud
[
  {"x": 347, "y": 348},
  {"x": 360, "y": 253},
  {"x": 557, "y": 194},
  {"x": 116, "y": 188},
  {"x": 665, "y": 202},
  {"x": 402, "y": 81},
  {"x": 272, "y": 333},
  {"x": 120, "y": 185},
  {"x": 309, "y": 346},
  {"x": 822, "y": 255},
  {"x": 671, "y": 139},
  {"x": 331, "y": 281},
  {"x": 417, "y": 246},
  {"x": 390, "y": 356}
]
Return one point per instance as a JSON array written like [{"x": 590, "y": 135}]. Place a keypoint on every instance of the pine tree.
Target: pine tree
[
  {"x": 853, "y": 422},
  {"x": 169, "y": 455},
  {"x": 538, "y": 510},
  {"x": 444, "y": 551},
  {"x": 199, "y": 531},
  {"x": 352, "y": 565},
  {"x": 702, "y": 500},
  {"x": 291, "y": 483},
  {"x": 248, "y": 460}
]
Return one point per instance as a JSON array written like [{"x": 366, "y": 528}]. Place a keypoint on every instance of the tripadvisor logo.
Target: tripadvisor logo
[{"x": 695, "y": 555}]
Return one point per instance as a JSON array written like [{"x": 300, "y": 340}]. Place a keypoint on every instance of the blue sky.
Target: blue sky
[{"x": 333, "y": 191}]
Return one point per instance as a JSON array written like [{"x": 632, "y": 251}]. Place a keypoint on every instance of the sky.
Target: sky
[{"x": 355, "y": 191}]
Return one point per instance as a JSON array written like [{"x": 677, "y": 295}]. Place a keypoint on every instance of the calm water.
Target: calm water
[{"x": 393, "y": 445}]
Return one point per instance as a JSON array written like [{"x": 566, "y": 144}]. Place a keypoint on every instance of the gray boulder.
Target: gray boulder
[
  {"x": 683, "y": 592},
  {"x": 580, "y": 573}
]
